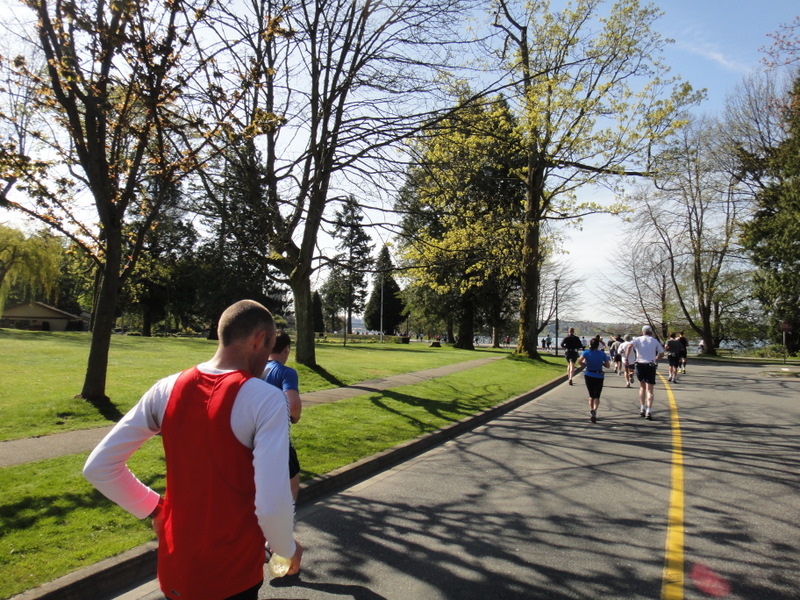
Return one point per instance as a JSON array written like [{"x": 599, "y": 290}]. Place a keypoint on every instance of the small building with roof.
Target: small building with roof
[{"x": 39, "y": 316}]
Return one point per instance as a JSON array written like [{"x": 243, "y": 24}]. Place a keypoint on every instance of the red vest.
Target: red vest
[{"x": 211, "y": 546}]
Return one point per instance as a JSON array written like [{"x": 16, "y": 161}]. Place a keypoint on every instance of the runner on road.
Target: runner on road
[
  {"x": 648, "y": 351},
  {"x": 674, "y": 349},
  {"x": 594, "y": 360},
  {"x": 571, "y": 345},
  {"x": 627, "y": 362}
]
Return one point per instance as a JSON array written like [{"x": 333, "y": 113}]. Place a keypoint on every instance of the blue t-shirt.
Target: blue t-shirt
[
  {"x": 594, "y": 360},
  {"x": 282, "y": 377}
]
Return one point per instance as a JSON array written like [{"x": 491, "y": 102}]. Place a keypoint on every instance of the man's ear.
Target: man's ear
[
  {"x": 268, "y": 339},
  {"x": 259, "y": 339}
]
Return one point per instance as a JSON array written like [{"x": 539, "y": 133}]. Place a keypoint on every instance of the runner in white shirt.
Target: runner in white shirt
[
  {"x": 648, "y": 351},
  {"x": 627, "y": 367}
]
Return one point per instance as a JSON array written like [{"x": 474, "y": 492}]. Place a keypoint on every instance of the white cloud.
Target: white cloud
[{"x": 709, "y": 52}]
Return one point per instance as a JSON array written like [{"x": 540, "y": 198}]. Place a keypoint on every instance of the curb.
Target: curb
[{"x": 113, "y": 576}]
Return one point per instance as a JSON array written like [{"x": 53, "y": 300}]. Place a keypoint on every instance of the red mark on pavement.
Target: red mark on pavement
[{"x": 709, "y": 582}]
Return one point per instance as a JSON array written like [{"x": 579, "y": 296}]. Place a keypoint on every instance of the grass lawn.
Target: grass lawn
[
  {"x": 42, "y": 372},
  {"x": 53, "y": 522}
]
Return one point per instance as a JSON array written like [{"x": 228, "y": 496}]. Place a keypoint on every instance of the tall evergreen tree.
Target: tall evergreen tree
[
  {"x": 771, "y": 237},
  {"x": 335, "y": 295},
  {"x": 355, "y": 260},
  {"x": 317, "y": 314},
  {"x": 235, "y": 256},
  {"x": 385, "y": 306}
]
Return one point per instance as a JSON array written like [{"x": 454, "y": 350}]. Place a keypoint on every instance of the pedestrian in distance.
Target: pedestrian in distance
[
  {"x": 571, "y": 344},
  {"x": 674, "y": 349},
  {"x": 594, "y": 360},
  {"x": 285, "y": 379},
  {"x": 648, "y": 351},
  {"x": 225, "y": 433}
]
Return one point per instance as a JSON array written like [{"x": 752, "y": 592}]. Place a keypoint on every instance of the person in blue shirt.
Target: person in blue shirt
[
  {"x": 594, "y": 360},
  {"x": 285, "y": 379}
]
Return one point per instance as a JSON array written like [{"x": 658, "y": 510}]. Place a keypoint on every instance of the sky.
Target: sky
[{"x": 717, "y": 43}]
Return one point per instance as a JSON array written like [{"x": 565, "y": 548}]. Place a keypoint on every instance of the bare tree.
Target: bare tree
[
  {"x": 693, "y": 215},
  {"x": 327, "y": 90},
  {"x": 93, "y": 146}
]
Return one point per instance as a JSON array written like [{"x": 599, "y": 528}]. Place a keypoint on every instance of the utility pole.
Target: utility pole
[
  {"x": 556, "y": 298},
  {"x": 382, "y": 278}
]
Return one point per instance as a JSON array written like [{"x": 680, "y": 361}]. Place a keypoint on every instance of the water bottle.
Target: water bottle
[{"x": 278, "y": 565}]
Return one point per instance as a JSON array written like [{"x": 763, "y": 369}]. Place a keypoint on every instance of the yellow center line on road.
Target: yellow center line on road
[{"x": 672, "y": 582}]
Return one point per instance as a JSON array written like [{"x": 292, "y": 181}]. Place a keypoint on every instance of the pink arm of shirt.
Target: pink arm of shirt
[{"x": 258, "y": 421}]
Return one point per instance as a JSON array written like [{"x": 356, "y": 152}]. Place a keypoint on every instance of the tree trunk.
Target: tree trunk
[
  {"x": 147, "y": 324},
  {"x": 305, "y": 351},
  {"x": 707, "y": 334},
  {"x": 527, "y": 343},
  {"x": 466, "y": 325},
  {"x": 94, "y": 384}
]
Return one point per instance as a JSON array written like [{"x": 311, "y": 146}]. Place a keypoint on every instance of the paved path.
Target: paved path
[{"x": 26, "y": 450}]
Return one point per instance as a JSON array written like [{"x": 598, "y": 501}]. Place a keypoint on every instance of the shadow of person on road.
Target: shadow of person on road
[{"x": 356, "y": 592}]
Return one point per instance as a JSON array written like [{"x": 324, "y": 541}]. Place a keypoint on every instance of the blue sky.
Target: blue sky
[{"x": 717, "y": 43}]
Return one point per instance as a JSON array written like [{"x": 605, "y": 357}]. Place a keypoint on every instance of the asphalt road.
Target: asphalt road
[{"x": 541, "y": 503}]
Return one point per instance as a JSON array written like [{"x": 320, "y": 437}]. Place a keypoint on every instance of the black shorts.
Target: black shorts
[
  {"x": 674, "y": 360},
  {"x": 618, "y": 358},
  {"x": 571, "y": 355},
  {"x": 294, "y": 464},
  {"x": 594, "y": 385},
  {"x": 646, "y": 372}
]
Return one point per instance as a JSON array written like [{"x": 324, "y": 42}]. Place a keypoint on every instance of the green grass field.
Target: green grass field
[
  {"x": 42, "y": 373},
  {"x": 53, "y": 522}
]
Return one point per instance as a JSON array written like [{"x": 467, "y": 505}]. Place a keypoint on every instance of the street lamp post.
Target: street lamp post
[{"x": 556, "y": 297}]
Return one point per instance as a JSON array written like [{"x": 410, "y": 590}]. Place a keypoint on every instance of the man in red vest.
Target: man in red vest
[{"x": 226, "y": 444}]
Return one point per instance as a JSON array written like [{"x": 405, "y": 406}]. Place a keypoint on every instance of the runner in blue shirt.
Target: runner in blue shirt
[
  {"x": 594, "y": 360},
  {"x": 285, "y": 378}
]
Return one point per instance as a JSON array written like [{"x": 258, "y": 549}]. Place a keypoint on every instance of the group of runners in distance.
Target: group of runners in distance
[{"x": 631, "y": 355}]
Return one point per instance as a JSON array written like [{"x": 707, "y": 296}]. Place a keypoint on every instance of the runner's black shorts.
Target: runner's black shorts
[
  {"x": 646, "y": 372},
  {"x": 294, "y": 463},
  {"x": 571, "y": 355},
  {"x": 674, "y": 360},
  {"x": 594, "y": 385}
]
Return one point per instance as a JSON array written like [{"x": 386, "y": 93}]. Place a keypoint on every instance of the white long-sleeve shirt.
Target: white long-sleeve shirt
[{"x": 259, "y": 420}]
